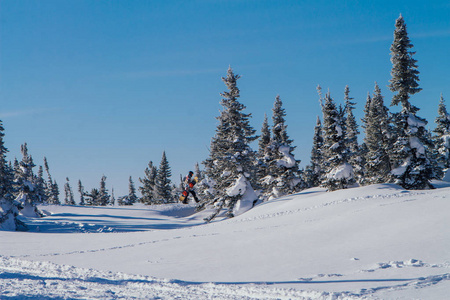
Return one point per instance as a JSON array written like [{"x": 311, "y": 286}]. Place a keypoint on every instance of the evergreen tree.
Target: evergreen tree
[
  {"x": 93, "y": 198},
  {"x": 41, "y": 186},
  {"x": 338, "y": 172},
  {"x": 52, "y": 191},
  {"x": 231, "y": 166},
  {"x": 82, "y": 193},
  {"x": 264, "y": 142},
  {"x": 283, "y": 171},
  {"x": 163, "y": 185},
  {"x": 8, "y": 211},
  {"x": 148, "y": 182},
  {"x": 377, "y": 139},
  {"x": 352, "y": 132},
  {"x": 104, "y": 198},
  {"x": 410, "y": 156},
  {"x": 26, "y": 185},
  {"x": 68, "y": 194},
  {"x": 316, "y": 168},
  {"x": 131, "y": 198},
  {"x": 442, "y": 136}
]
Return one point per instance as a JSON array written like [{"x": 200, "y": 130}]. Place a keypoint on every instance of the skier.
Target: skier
[{"x": 189, "y": 183}]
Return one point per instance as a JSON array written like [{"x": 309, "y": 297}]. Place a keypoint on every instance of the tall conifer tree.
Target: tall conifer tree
[
  {"x": 148, "y": 184},
  {"x": 410, "y": 155},
  {"x": 163, "y": 182},
  {"x": 231, "y": 166}
]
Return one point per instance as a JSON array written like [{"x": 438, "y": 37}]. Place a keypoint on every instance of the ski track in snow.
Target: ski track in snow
[{"x": 331, "y": 203}]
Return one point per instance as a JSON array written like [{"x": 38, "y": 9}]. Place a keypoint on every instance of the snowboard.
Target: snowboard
[{"x": 185, "y": 193}]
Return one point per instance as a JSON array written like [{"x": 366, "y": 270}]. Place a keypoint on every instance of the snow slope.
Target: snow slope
[{"x": 378, "y": 241}]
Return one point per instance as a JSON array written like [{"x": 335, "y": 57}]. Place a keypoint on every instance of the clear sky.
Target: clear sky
[{"x": 103, "y": 87}]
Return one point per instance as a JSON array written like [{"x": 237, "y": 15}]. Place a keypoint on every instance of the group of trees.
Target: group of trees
[
  {"x": 21, "y": 189},
  {"x": 396, "y": 148}
]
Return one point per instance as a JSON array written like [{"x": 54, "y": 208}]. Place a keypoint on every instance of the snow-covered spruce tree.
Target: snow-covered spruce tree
[
  {"x": 314, "y": 171},
  {"x": 163, "y": 184},
  {"x": 68, "y": 193},
  {"x": 52, "y": 191},
  {"x": 263, "y": 144},
  {"x": 41, "y": 186},
  {"x": 131, "y": 198},
  {"x": 351, "y": 135},
  {"x": 8, "y": 211},
  {"x": 104, "y": 197},
  {"x": 26, "y": 187},
  {"x": 231, "y": 166},
  {"x": 377, "y": 139},
  {"x": 148, "y": 184},
  {"x": 442, "y": 136},
  {"x": 92, "y": 198},
  {"x": 410, "y": 157},
  {"x": 82, "y": 194},
  {"x": 283, "y": 173},
  {"x": 338, "y": 172}
]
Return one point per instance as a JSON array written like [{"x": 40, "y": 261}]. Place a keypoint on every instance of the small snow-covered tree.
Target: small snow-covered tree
[
  {"x": 377, "y": 139},
  {"x": 315, "y": 169},
  {"x": 131, "y": 198},
  {"x": 82, "y": 193},
  {"x": 68, "y": 193},
  {"x": 148, "y": 184},
  {"x": 163, "y": 184},
  {"x": 26, "y": 187},
  {"x": 104, "y": 197},
  {"x": 41, "y": 186},
  {"x": 338, "y": 172},
  {"x": 263, "y": 143},
  {"x": 52, "y": 191},
  {"x": 351, "y": 135},
  {"x": 442, "y": 136},
  {"x": 410, "y": 156},
  {"x": 231, "y": 166},
  {"x": 283, "y": 172}
]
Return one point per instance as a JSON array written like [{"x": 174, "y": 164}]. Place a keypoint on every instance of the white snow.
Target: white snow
[
  {"x": 288, "y": 160},
  {"x": 344, "y": 171},
  {"x": 374, "y": 242},
  {"x": 415, "y": 143},
  {"x": 238, "y": 188}
]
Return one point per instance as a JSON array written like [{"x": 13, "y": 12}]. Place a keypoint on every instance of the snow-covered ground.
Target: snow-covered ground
[{"x": 378, "y": 241}]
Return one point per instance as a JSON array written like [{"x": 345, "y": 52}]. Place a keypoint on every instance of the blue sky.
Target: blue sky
[{"x": 103, "y": 87}]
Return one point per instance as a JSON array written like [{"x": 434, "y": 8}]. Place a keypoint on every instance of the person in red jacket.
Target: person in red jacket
[{"x": 189, "y": 183}]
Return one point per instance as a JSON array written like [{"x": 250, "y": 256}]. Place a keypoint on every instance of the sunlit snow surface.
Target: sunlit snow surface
[{"x": 378, "y": 242}]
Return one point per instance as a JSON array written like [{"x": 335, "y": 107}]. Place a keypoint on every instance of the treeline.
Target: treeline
[{"x": 397, "y": 148}]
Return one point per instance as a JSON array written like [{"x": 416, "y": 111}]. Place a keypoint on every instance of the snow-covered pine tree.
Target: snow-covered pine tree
[
  {"x": 68, "y": 193},
  {"x": 338, "y": 172},
  {"x": 442, "y": 136},
  {"x": 26, "y": 187},
  {"x": 148, "y": 184},
  {"x": 131, "y": 198},
  {"x": 351, "y": 135},
  {"x": 81, "y": 191},
  {"x": 163, "y": 186},
  {"x": 377, "y": 139},
  {"x": 283, "y": 172},
  {"x": 104, "y": 197},
  {"x": 41, "y": 186},
  {"x": 263, "y": 143},
  {"x": 231, "y": 166},
  {"x": 52, "y": 191},
  {"x": 315, "y": 169},
  {"x": 410, "y": 157},
  {"x": 8, "y": 211},
  {"x": 93, "y": 198}
]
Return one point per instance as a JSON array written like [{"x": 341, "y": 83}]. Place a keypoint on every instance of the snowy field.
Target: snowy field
[{"x": 379, "y": 242}]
